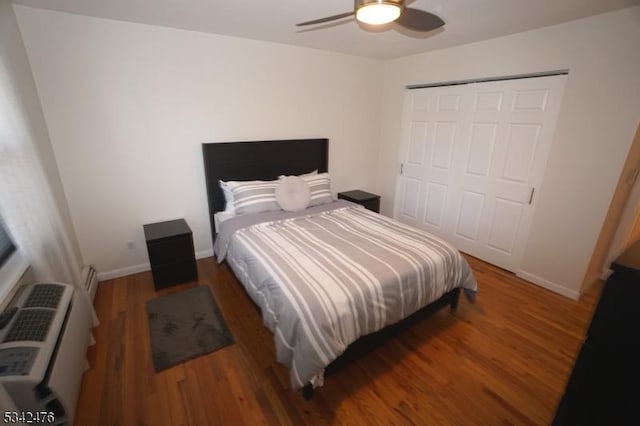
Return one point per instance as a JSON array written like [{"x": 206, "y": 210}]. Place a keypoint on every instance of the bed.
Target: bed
[{"x": 332, "y": 275}]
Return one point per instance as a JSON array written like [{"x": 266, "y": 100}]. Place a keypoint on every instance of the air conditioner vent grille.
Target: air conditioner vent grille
[
  {"x": 30, "y": 325},
  {"x": 44, "y": 296}
]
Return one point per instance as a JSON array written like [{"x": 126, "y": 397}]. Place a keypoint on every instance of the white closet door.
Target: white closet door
[
  {"x": 432, "y": 133},
  {"x": 473, "y": 159}
]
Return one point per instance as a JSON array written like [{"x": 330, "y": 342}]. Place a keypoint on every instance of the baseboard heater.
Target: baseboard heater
[
  {"x": 44, "y": 334},
  {"x": 90, "y": 277}
]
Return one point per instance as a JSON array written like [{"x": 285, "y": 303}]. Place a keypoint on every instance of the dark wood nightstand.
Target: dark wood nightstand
[
  {"x": 366, "y": 199},
  {"x": 171, "y": 253}
]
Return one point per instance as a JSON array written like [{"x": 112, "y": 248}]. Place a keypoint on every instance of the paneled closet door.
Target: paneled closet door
[
  {"x": 433, "y": 131},
  {"x": 473, "y": 160}
]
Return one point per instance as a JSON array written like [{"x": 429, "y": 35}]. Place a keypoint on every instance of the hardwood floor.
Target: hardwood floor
[{"x": 504, "y": 360}]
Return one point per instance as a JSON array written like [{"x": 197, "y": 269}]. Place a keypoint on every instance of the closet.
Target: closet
[{"x": 472, "y": 161}]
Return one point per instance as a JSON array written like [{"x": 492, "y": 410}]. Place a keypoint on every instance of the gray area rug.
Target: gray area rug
[{"x": 184, "y": 326}]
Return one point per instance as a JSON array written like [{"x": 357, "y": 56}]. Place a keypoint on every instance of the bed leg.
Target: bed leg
[
  {"x": 307, "y": 392},
  {"x": 454, "y": 301}
]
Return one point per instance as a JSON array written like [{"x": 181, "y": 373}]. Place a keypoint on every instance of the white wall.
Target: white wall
[
  {"x": 597, "y": 121},
  {"x": 623, "y": 235},
  {"x": 128, "y": 106}
]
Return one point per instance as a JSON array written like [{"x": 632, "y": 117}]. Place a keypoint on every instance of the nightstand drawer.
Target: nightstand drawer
[
  {"x": 173, "y": 273},
  {"x": 170, "y": 249},
  {"x": 171, "y": 253},
  {"x": 373, "y": 205}
]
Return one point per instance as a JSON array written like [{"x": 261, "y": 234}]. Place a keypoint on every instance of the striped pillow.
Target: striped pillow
[
  {"x": 254, "y": 196},
  {"x": 320, "y": 186}
]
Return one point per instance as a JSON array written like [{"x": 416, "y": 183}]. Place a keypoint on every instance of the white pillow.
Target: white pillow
[
  {"x": 293, "y": 194},
  {"x": 229, "y": 207}
]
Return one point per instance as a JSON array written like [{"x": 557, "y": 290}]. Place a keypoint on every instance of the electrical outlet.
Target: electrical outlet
[{"x": 131, "y": 246}]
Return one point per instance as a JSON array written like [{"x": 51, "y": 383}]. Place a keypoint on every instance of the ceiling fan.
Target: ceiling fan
[{"x": 378, "y": 12}]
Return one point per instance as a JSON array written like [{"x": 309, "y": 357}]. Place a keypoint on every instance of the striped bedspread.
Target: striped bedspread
[{"x": 333, "y": 274}]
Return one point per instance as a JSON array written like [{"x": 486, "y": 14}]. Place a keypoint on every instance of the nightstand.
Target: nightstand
[
  {"x": 171, "y": 253},
  {"x": 366, "y": 199}
]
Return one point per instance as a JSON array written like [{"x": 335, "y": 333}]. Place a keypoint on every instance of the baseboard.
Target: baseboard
[
  {"x": 556, "y": 288},
  {"x": 135, "y": 269},
  {"x": 606, "y": 273},
  {"x": 121, "y": 272},
  {"x": 204, "y": 253}
]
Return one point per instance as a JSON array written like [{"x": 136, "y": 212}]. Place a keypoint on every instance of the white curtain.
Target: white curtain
[
  {"x": 31, "y": 215},
  {"x": 27, "y": 204}
]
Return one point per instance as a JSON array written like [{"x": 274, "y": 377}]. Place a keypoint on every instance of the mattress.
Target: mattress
[{"x": 328, "y": 275}]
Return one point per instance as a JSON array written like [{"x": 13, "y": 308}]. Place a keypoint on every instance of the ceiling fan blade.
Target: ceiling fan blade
[
  {"x": 327, "y": 19},
  {"x": 419, "y": 20}
]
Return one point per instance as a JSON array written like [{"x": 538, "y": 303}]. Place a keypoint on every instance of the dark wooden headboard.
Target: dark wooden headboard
[{"x": 258, "y": 160}]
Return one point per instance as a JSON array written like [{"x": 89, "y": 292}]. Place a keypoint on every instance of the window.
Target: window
[{"x": 6, "y": 245}]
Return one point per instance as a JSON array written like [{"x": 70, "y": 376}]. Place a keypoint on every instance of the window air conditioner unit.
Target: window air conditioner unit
[{"x": 44, "y": 334}]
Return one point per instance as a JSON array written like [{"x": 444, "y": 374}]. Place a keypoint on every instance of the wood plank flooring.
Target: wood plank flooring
[{"x": 504, "y": 360}]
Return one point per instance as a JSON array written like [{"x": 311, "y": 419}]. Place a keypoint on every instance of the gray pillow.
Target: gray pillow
[
  {"x": 293, "y": 194},
  {"x": 320, "y": 186},
  {"x": 254, "y": 196}
]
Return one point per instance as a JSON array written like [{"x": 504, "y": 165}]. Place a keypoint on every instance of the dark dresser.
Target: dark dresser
[
  {"x": 366, "y": 199},
  {"x": 171, "y": 253},
  {"x": 604, "y": 387}
]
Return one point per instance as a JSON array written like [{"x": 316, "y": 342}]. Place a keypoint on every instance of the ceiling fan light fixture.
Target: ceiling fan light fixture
[
  {"x": 377, "y": 12},
  {"x": 380, "y": 12}
]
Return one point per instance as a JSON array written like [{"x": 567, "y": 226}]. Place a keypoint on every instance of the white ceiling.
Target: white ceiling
[{"x": 274, "y": 20}]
